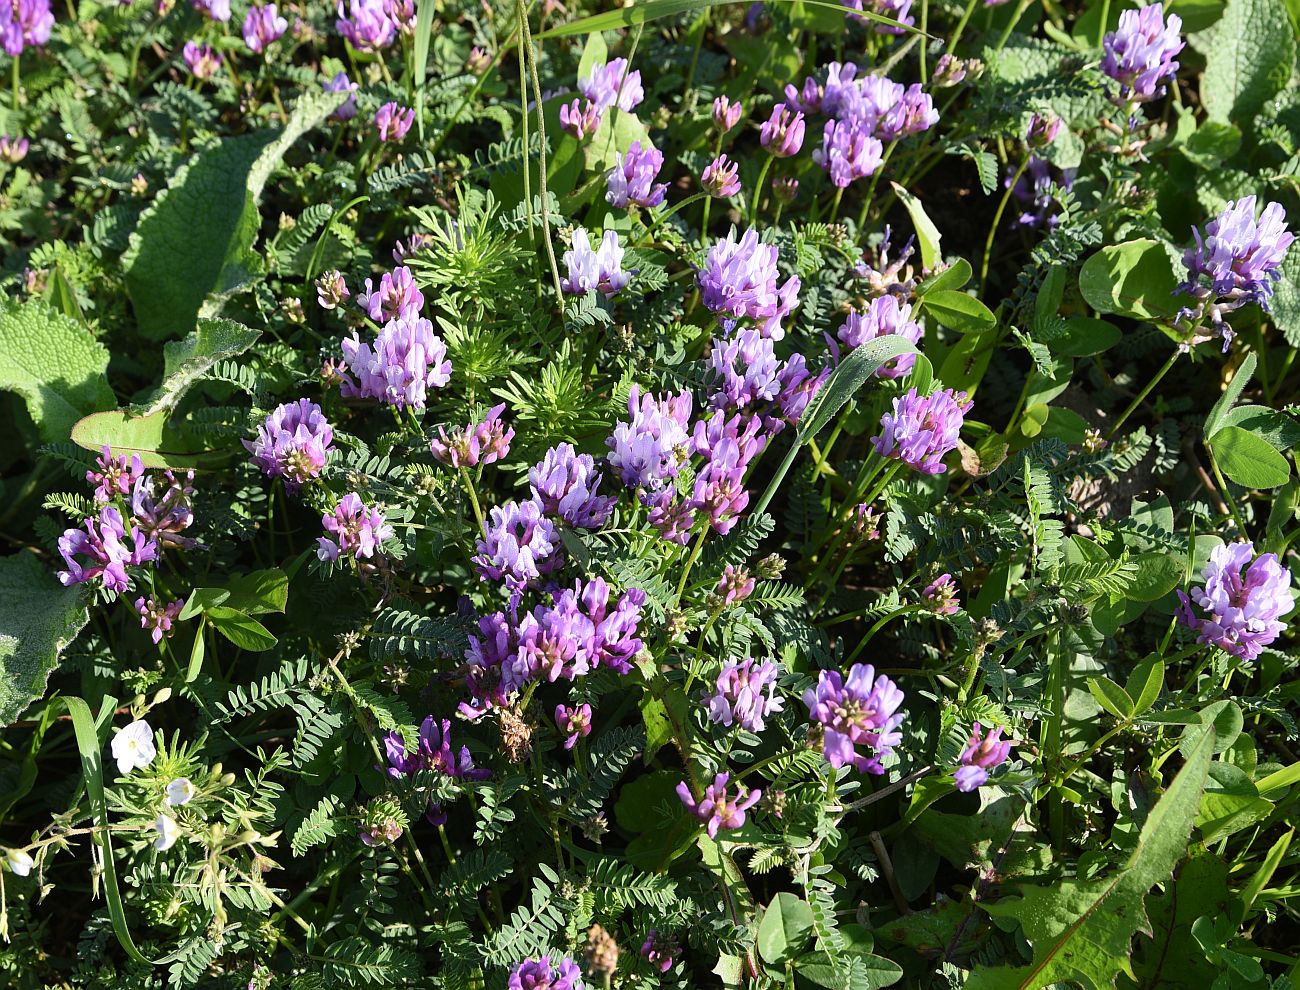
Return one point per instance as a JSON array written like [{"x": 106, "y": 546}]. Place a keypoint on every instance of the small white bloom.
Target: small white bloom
[
  {"x": 168, "y": 832},
  {"x": 133, "y": 747},
  {"x": 180, "y": 791},
  {"x": 19, "y": 862}
]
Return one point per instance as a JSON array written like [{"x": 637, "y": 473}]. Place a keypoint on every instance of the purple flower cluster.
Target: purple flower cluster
[
  {"x": 726, "y": 114},
  {"x": 519, "y": 545},
  {"x": 24, "y": 24},
  {"x": 980, "y": 756},
  {"x": 358, "y": 531},
  {"x": 163, "y": 517},
  {"x": 923, "y": 429},
  {"x": 1239, "y": 609},
  {"x": 848, "y": 152},
  {"x": 1139, "y": 55},
  {"x": 860, "y": 710},
  {"x": 721, "y": 178},
  {"x": 632, "y": 179},
  {"x": 874, "y": 104},
  {"x": 940, "y": 595},
  {"x": 648, "y": 449},
  {"x": 601, "y": 269},
  {"x": 573, "y": 723},
  {"x": 782, "y": 132},
  {"x": 394, "y": 121},
  {"x": 735, "y": 585},
  {"x": 1033, "y": 191},
  {"x": 262, "y": 26},
  {"x": 433, "y": 754},
  {"x": 565, "y": 483},
  {"x": 540, "y": 974},
  {"x": 213, "y": 10},
  {"x": 485, "y": 442},
  {"x": 342, "y": 84},
  {"x": 885, "y": 316},
  {"x": 612, "y": 85},
  {"x": 203, "y": 61},
  {"x": 405, "y": 361},
  {"x": 660, "y": 950},
  {"x": 745, "y": 375},
  {"x": 158, "y": 617},
  {"x": 579, "y": 118},
  {"x": 746, "y": 693},
  {"x": 899, "y": 10},
  {"x": 718, "y": 809},
  {"x": 108, "y": 546},
  {"x": 293, "y": 443},
  {"x": 739, "y": 279},
  {"x": 369, "y": 28},
  {"x": 397, "y": 298},
  {"x": 114, "y": 476}
]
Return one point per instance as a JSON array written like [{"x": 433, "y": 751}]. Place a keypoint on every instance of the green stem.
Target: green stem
[
  {"x": 473, "y": 500},
  {"x": 880, "y": 624},
  {"x": 961, "y": 26},
  {"x": 1155, "y": 380},
  {"x": 541, "y": 139},
  {"x": 1101, "y": 27},
  {"x": 17, "y": 81},
  {"x": 997, "y": 220},
  {"x": 659, "y": 220},
  {"x": 1227, "y": 494},
  {"x": 690, "y": 562},
  {"x": 523, "y": 113},
  {"x": 875, "y": 178},
  {"x": 1011, "y": 25},
  {"x": 758, "y": 188}
]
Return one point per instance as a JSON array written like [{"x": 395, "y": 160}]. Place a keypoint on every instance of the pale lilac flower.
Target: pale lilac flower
[
  {"x": 860, "y": 710},
  {"x": 730, "y": 445},
  {"x": 1043, "y": 129},
  {"x": 168, "y": 832},
  {"x": 736, "y": 584},
  {"x": 660, "y": 950},
  {"x": 726, "y": 114},
  {"x": 898, "y": 10},
  {"x": 866, "y": 522},
  {"x": 397, "y": 298},
  {"x": 369, "y": 28},
  {"x": 103, "y": 542},
  {"x": 262, "y": 26},
  {"x": 579, "y": 118},
  {"x": 19, "y": 862},
  {"x": 203, "y": 61},
  {"x": 1140, "y": 54},
  {"x": 885, "y": 316},
  {"x": 950, "y": 71},
  {"x": 923, "y": 429},
  {"x": 745, "y": 692},
  {"x": 739, "y": 279},
  {"x": 611, "y": 84},
  {"x": 743, "y": 370},
  {"x": 782, "y": 133},
  {"x": 941, "y": 595},
  {"x": 358, "y": 530},
  {"x": 293, "y": 443},
  {"x": 914, "y": 114},
  {"x": 157, "y": 616},
  {"x": 13, "y": 150},
  {"x": 484, "y": 442},
  {"x": 835, "y": 97},
  {"x": 600, "y": 270},
  {"x": 163, "y": 517},
  {"x": 24, "y": 24},
  {"x": 405, "y": 361},
  {"x": 1033, "y": 192},
  {"x": 632, "y": 179},
  {"x": 213, "y": 10},
  {"x": 1242, "y": 601},
  {"x": 132, "y": 747},
  {"x": 342, "y": 84},
  {"x": 331, "y": 289},
  {"x": 179, "y": 791},
  {"x": 573, "y": 723},
  {"x": 402, "y": 13},
  {"x": 721, "y": 178},
  {"x": 798, "y": 388},
  {"x": 848, "y": 152},
  {"x": 717, "y": 808},
  {"x": 540, "y": 974},
  {"x": 648, "y": 449},
  {"x": 114, "y": 476},
  {"x": 519, "y": 545},
  {"x": 394, "y": 121},
  {"x": 565, "y": 483},
  {"x": 980, "y": 756}
]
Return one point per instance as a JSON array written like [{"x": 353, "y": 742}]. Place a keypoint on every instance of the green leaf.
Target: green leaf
[
  {"x": 38, "y": 619},
  {"x": 785, "y": 929},
  {"x": 1144, "y": 684},
  {"x": 955, "y": 276},
  {"x": 1219, "y": 412},
  {"x": 1277, "y": 428},
  {"x": 1285, "y": 306},
  {"x": 1134, "y": 279},
  {"x": 866, "y": 971},
  {"x": 1081, "y": 931},
  {"x": 258, "y": 592},
  {"x": 185, "y": 362},
  {"x": 202, "y": 599},
  {"x": 652, "y": 10},
  {"x": 1111, "y": 697},
  {"x": 1249, "y": 55},
  {"x": 927, "y": 234},
  {"x": 148, "y": 436},
  {"x": 241, "y": 629},
  {"x": 958, "y": 311},
  {"x": 1157, "y": 574},
  {"x": 54, "y": 364},
  {"x": 1249, "y": 459}
]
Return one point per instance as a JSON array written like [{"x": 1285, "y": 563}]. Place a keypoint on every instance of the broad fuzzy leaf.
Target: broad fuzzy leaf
[
  {"x": 38, "y": 619},
  {"x": 185, "y": 362}
]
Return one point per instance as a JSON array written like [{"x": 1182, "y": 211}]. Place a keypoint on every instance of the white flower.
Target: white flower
[
  {"x": 133, "y": 747},
  {"x": 180, "y": 791},
  {"x": 168, "y": 832},
  {"x": 19, "y": 862}
]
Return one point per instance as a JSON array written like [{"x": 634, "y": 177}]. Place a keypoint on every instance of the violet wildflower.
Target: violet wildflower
[
  {"x": 743, "y": 371},
  {"x": 397, "y": 298},
  {"x": 980, "y": 756},
  {"x": 358, "y": 531},
  {"x": 719, "y": 486},
  {"x": 331, "y": 289},
  {"x": 614, "y": 641},
  {"x": 746, "y": 693},
  {"x": 342, "y": 84},
  {"x": 600, "y": 270},
  {"x": 848, "y": 152},
  {"x": 866, "y": 522},
  {"x": 203, "y": 61},
  {"x": 405, "y": 361},
  {"x": 433, "y": 752},
  {"x": 519, "y": 544},
  {"x": 782, "y": 133},
  {"x": 158, "y": 617},
  {"x": 132, "y": 747},
  {"x": 419, "y": 241},
  {"x": 394, "y": 121},
  {"x": 492, "y": 657},
  {"x": 579, "y": 118},
  {"x": 885, "y": 316},
  {"x": 739, "y": 279},
  {"x": 915, "y": 114},
  {"x": 899, "y": 10},
  {"x": 648, "y": 449},
  {"x": 368, "y": 28},
  {"x": 13, "y": 149},
  {"x": 785, "y": 188},
  {"x": 108, "y": 548},
  {"x": 1034, "y": 193},
  {"x": 573, "y": 723},
  {"x": 162, "y": 506},
  {"x": 949, "y": 71},
  {"x": 940, "y": 595},
  {"x": 213, "y": 10},
  {"x": 402, "y": 13},
  {"x": 726, "y": 114},
  {"x": 923, "y": 429},
  {"x": 1139, "y": 55},
  {"x": 860, "y": 710},
  {"x": 540, "y": 974},
  {"x": 114, "y": 476},
  {"x": 721, "y": 178},
  {"x": 717, "y": 808},
  {"x": 611, "y": 84},
  {"x": 565, "y": 483},
  {"x": 660, "y": 950},
  {"x": 24, "y": 24},
  {"x": 632, "y": 179},
  {"x": 835, "y": 97},
  {"x": 798, "y": 388},
  {"x": 1043, "y": 129},
  {"x": 293, "y": 443},
  {"x": 735, "y": 585},
  {"x": 1240, "y": 606},
  {"x": 485, "y": 442},
  {"x": 262, "y": 26}
]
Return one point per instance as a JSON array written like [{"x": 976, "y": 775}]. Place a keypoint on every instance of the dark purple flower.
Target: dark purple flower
[
  {"x": 484, "y": 442},
  {"x": 565, "y": 483},
  {"x": 717, "y": 808},
  {"x": 980, "y": 756},
  {"x": 157, "y": 616},
  {"x": 923, "y": 429},
  {"x": 433, "y": 752},
  {"x": 721, "y": 178},
  {"x": 540, "y": 974},
  {"x": 660, "y": 950},
  {"x": 746, "y": 693},
  {"x": 342, "y": 84},
  {"x": 369, "y": 28},
  {"x": 163, "y": 517},
  {"x": 739, "y": 279},
  {"x": 1140, "y": 54},
  {"x": 1043, "y": 129},
  {"x": 293, "y": 443},
  {"x": 861, "y": 710},
  {"x": 1242, "y": 601},
  {"x": 1034, "y": 192},
  {"x": 24, "y": 23},
  {"x": 114, "y": 476},
  {"x": 941, "y": 595},
  {"x": 885, "y": 316},
  {"x": 492, "y": 662},
  {"x": 611, "y": 84},
  {"x": 358, "y": 530},
  {"x": 519, "y": 545},
  {"x": 782, "y": 133},
  {"x": 107, "y": 547},
  {"x": 632, "y": 179},
  {"x": 405, "y": 361},
  {"x": 263, "y": 25},
  {"x": 573, "y": 723},
  {"x": 398, "y": 297},
  {"x": 600, "y": 270},
  {"x": 579, "y": 118},
  {"x": 394, "y": 121},
  {"x": 648, "y": 450}
]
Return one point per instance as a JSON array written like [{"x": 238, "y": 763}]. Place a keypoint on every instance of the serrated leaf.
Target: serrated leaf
[
  {"x": 54, "y": 364},
  {"x": 185, "y": 362},
  {"x": 38, "y": 619}
]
